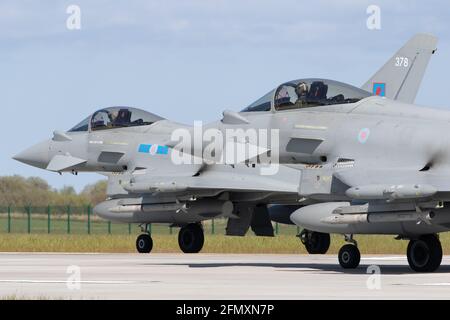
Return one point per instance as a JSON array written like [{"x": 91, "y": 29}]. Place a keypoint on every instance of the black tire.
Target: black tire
[
  {"x": 144, "y": 243},
  {"x": 191, "y": 238},
  {"x": 424, "y": 254},
  {"x": 349, "y": 256},
  {"x": 315, "y": 242}
]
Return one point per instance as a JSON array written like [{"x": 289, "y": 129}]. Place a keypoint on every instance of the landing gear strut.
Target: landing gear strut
[
  {"x": 425, "y": 253},
  {"x": 315, "y": 242},
  {"x": 349, "y": 255},
  {"x": 144, "y": 242},
  {"x": 191, "y": 238}
]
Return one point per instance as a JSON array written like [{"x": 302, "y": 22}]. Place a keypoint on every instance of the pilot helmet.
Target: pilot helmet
[{"x": 301, "y": 89}]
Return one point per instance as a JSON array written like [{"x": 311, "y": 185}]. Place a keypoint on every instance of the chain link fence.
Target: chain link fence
[{"x": 81, "y": 220}]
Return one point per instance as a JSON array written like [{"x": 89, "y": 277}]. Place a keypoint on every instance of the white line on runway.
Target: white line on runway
[
  {"x": 81, "y": 282},
  {"x": 444, "y": 284},
  {"x": 384, "y": 258}
]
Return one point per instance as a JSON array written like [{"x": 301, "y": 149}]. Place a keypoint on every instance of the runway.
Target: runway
[{"x": 213, "y": 276}]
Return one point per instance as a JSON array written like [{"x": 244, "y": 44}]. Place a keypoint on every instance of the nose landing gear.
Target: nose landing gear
[
  {"x": 349, "y": 255},
  {"x": 144, "y": 242}
]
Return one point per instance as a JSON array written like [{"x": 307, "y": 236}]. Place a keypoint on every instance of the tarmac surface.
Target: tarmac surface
[{"x": 214, "y": 276}]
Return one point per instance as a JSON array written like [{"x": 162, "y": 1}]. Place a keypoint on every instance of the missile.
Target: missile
[
  {"x": 221, "y": 207},
  {"x": 147, "y": 207},
  {"x": 162, "y": 186},
  {"x": 391, "y": 192},
  {"x": 116, "y": 210},
  {"x": 378, "y": 217}
]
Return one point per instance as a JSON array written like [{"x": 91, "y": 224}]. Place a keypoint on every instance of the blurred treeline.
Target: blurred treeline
[{"x": 19, "y": 191}]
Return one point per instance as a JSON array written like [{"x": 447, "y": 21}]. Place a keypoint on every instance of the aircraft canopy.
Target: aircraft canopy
[
  {"x": 305, "y": 93},
  {"x": 116, "y": 117}
]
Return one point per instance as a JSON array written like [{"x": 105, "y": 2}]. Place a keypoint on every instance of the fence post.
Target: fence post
[
  {"x": 9, "y": 219},
  {"x": 212, "y": 227},
  {"x": 89, "y": 219},
  {"x": 149, "y": 228},
  {"x": 129, "y": 228},
  {"x": 28, "y": 209},
  {"x": 109, "y": 227},
  {"x": 170, "y": 229},
  {"x": 68, "y": 218},
  {"x": 49, "y": 211},
  {"x": 276, "y": 228}
]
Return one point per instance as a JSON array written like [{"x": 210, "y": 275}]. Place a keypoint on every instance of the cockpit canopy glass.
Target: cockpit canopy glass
[
  {"x": 262, "y": 104},
  {"x": 316, "y": 92},
  {"x": 116, "y": 117},
  {"x": 305, "y": 93},
  {"x": 82, "y": 126}
]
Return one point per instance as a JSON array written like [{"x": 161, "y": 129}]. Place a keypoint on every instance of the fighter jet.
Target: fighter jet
[{"x": 325, "y": 155}]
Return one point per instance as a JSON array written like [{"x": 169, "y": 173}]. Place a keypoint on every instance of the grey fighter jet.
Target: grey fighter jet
[{"x": 327, "y": 156}]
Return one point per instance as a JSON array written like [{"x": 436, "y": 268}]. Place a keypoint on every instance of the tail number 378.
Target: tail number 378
[{"x": 401, "y": 62}]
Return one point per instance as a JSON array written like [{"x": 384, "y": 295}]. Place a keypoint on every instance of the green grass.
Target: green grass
[
  {"x": 111, "y": 237},
  {"x": 78, "y": 224},
  {"x": 213, "y": 244}
]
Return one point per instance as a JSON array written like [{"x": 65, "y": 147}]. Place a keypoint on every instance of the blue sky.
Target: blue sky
[{"x": 188, "y": 60}]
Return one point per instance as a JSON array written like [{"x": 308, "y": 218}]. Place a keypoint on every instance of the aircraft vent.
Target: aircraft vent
[{"x": 344, "y": 163}]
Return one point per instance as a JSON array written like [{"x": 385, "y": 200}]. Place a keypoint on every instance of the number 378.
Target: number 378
[{"x": 401, "y": 62}]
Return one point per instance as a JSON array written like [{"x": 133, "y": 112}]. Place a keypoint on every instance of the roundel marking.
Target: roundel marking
[
  {"x": 153, "y": 149},
  {"x": 363, "y": 135}
]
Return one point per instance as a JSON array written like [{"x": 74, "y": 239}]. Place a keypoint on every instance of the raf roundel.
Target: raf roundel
[
  {"x": 379, "y": 89},
  {"x": 153, "y": 149},
  {"x": 363, "y": 135}
]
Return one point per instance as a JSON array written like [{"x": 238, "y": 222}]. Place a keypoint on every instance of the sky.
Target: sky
[{"x": 189, "y": 60}]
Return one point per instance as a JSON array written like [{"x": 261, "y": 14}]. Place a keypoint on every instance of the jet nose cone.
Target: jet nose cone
[{"x": 36, "y": 156}]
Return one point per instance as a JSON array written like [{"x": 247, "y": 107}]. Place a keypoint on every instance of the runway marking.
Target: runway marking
[
  {"x": 443, "y": 284},
  {"x": 385, "y": 258},
  {"x": 82, "y": 281}
]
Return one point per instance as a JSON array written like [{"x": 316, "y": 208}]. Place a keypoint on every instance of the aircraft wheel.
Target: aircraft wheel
[
  {"x": 144, "y": 243},
  {"x": 191, "y": 238},
  {"x": 315, "y": 242},
  {"x": 425, "y": 254},
  {"x": 349, "y": 256}
]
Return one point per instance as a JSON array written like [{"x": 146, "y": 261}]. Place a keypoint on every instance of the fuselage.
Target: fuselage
[{"x": 372, "y": 133}]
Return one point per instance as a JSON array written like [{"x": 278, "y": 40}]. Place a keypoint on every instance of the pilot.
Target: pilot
[
  {"x": 302, "y": 92},
  {"x": 123, "y": 118},
  {"x": 98, "y": 120}
]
